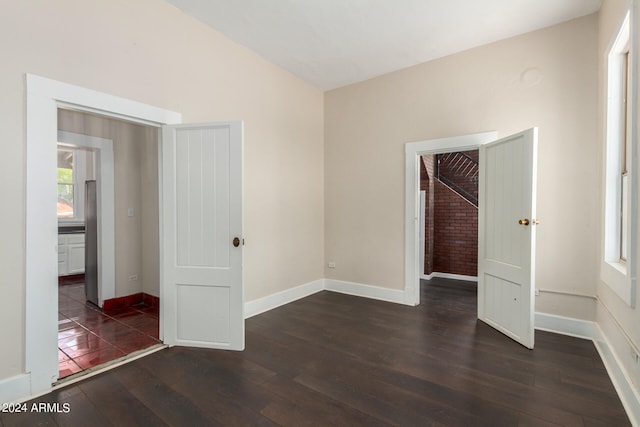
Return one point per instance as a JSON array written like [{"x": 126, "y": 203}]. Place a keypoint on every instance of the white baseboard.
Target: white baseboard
[
  {"x": 366, "y": 291},
  {"x": 565, "y": 325},
  {"x": 620, "y": 378},
  {"x": 15, "y": 389},
  {"x": 449, "y": 276},
  {"x": 260, "y": 305}
]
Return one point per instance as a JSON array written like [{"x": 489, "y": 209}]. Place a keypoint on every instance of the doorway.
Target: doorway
[
  {"x": 449, "y": 226},
  {"x": 506, "y": 233},
  {"x": 110, "y": 309},
  {"x": 186, "y": 313},
  {"x": 449, "y": 182},
  {"x": 43, "y": 98},
  {"x": 414, "y": 243}
]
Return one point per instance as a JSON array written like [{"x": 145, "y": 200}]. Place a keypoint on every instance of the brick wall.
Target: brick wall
[{"x": 455, "y": 233}]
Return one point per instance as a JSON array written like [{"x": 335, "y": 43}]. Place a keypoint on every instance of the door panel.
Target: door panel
[
  {"x": 506, "y": 263},
  {"x": 202, "y": 213},
  {"x": 203, "y": 222},
  {"x": 204, "y": 314}
]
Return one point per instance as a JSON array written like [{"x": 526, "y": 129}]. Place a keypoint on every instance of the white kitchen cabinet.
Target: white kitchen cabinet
[
  {"x": 70, "y": 254},
  {"x": 62, "y": 255}
]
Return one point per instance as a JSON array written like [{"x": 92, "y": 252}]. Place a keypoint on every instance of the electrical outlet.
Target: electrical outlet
[
  {"x": 133, "y": 278},
  {"x": 332, "y": 264},
  {"x": 537, "y": 291}
]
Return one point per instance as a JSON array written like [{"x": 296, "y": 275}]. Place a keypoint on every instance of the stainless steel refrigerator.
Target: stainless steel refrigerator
[{"x": 91, "y": 242}]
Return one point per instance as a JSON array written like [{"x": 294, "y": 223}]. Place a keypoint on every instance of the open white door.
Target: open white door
[
  {"x": 202, "y": 291},
  {"x": 506, "y": 230}
]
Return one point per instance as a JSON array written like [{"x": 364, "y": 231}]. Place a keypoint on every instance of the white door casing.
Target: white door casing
[
  {"x": 506, "y": 252},
  {"x": 202, "y": 292}
]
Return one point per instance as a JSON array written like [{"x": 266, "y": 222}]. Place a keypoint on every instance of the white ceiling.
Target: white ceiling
[{"x": 333, "y": 43}]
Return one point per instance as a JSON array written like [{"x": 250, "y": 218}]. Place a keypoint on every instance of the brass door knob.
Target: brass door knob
[
  {"x": 524, "y": 221},
  {"x": 236, "y": 242}
]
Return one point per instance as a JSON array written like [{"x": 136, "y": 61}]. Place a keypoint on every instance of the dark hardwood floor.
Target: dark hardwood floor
[{"x": 333, "y": 359}]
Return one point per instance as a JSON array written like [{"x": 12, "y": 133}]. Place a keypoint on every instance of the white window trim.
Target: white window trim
[{"x": 620, "y": 275}]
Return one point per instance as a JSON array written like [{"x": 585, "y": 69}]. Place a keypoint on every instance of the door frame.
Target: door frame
[
  {"x": 413, "y": 152},
  {"x": 43, "y": 98},
  {"x": 103, "y": 148}
]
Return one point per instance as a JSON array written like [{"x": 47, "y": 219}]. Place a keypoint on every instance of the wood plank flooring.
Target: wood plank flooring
[{"x": 338, "y": 360}]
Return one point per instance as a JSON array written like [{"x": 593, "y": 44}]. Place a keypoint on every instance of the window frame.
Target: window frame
[
  {"x": 620, "y": 211},
  {"x": 72, "y": 183},
  {"x": 81, "y": 158}
]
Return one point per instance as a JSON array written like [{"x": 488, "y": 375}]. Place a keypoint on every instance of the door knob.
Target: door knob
[
  {"x": 236, "y": 242},
  {"x": 524, "y": 221}
]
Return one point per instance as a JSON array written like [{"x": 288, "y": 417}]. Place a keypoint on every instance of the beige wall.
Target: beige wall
[
  {"x": 545, "y": 79},
  {"x": 135, "y": 158},
  {"x": 148, "y": 51},
  {"x": 619, "y": 322},
  {"x": 149, "y": 212}
]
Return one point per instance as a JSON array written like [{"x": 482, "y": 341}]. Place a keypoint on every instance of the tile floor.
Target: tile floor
[{"x": 87, "y": 337}]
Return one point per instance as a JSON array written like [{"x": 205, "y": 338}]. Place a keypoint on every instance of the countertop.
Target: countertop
[{"x": 71, "y": 229}]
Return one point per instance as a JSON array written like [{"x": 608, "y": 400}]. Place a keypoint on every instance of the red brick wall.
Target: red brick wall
[{"x": 455, "y": 230}]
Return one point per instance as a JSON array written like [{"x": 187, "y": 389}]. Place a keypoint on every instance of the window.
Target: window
[
  {"x": 620, "y": 195},
  {"x": 75, "y": 166},
  {"x": 65, "y": 184}
]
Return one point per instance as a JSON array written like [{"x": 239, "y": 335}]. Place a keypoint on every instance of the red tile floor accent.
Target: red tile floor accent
[{"x": 87, "y": 337}]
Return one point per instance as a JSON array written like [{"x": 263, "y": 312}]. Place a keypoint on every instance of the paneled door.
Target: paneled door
[
  {"x": 201, "y": 251},
  {"x": 507, "y": 219}
]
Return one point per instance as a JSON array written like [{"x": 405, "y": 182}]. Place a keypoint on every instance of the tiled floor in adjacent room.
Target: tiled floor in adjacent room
[{"x": 87, "y": 337}]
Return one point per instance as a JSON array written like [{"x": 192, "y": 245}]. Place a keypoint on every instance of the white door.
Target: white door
[
  {"x": 202, "y": 291},
  {"x": 506, "y": 217}
]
